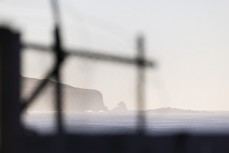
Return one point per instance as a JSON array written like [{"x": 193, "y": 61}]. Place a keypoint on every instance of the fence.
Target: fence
[
  {"x": 12, "y": 108},
  {"x": 14, "y": 138}
]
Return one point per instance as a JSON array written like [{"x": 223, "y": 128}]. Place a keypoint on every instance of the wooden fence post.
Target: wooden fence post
[{"x": 10, "y": 128}]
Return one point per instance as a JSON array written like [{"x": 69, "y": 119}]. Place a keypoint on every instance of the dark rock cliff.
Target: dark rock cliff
[{"x": 74, "y": 99}]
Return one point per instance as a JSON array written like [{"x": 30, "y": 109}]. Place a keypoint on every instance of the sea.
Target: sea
[{"x": 127, "y": 123}]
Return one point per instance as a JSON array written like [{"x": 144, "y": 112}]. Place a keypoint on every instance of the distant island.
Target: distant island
[
  {"x": 171, "y": 110},
  {"x": 84, "y": 100},
  {"x": 74, "y": 99}
]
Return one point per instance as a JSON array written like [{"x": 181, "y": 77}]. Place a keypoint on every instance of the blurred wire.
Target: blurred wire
[
  {"x": 119, "y": 32},
  {"x": 101, "y": 23}
]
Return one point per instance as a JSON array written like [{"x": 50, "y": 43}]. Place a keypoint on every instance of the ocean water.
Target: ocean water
[{"x": 123, "y": 123}]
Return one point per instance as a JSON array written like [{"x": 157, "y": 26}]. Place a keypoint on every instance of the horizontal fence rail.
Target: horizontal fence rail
[{"x": 91, "y": 54}]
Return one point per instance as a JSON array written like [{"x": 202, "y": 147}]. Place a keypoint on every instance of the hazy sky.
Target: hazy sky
[{"x": 188, "y": 39}]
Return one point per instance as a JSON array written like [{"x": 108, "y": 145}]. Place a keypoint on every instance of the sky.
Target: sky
[{"x": 187, "y": 39}]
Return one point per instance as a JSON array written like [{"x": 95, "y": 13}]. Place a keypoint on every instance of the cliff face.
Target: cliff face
[{"x": 74, "y": 99}]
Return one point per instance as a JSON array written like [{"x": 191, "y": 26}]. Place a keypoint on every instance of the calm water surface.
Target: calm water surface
[{"x": 114, "y": 123}]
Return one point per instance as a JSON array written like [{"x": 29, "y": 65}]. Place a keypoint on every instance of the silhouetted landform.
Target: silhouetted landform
[
  {"x": 121, "y": 107},
  {"x": 74, "y": 99},
  {"x": 175, "y": 111}
]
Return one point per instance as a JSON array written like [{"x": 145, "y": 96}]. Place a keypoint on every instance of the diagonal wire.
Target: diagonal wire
[{"x": 38, "y": 89}]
